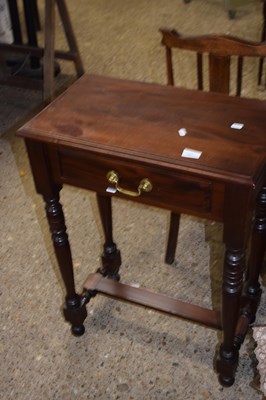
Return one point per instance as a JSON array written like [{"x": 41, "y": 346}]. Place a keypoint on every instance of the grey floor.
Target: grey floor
[{"x": 126, "y": 352}]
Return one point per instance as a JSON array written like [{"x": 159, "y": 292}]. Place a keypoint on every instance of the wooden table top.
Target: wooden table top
[{"x": 141, "y": 121}]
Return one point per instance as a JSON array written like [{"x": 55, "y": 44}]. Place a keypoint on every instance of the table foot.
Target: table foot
[
  {"x": 226, "y": 382},
  {"x": 75, "y": 312},
  {"x": 226, "y": 367},
  {"x": 78, "y": 330},
  {"x": 111, "y": 261}
]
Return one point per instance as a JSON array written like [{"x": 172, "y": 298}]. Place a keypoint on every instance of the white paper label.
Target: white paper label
[
  {"x": 237, "y": 125},
  {"x": 111, "y": 190},
  {"x": 191, "y": 153},
  {"x": 182, "y": 132}
]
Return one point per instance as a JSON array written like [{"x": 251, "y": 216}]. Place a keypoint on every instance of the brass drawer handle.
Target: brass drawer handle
[{"x": 144, "y": 186}]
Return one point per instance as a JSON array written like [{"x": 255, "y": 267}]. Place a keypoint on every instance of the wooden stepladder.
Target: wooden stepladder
[
  {"x": 47, "y": 52},
  {"x": 49, "y": 46}
]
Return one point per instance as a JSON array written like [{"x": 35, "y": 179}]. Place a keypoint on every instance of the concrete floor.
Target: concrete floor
[{"x": 126, "y": 352}]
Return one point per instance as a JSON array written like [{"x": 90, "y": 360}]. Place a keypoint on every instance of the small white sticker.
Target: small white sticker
[
  {"x": 237, "y": 125},
  {"x": 111, "y": 190},
  {"x": 135, "y": 285},
  {"x": 182, "y": 132},
  {"x": 190, "y": 153}
]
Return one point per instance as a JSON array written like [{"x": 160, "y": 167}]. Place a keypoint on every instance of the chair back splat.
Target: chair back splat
[{"x": 220, "y": 50}]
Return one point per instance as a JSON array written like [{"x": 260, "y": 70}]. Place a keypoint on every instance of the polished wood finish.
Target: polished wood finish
[
  {"x": 101, "y": 124},
  {"x": 220, "y": 50}
]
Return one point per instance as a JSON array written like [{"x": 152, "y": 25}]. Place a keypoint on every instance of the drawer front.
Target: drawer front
[{"x": 174, "y": 191}]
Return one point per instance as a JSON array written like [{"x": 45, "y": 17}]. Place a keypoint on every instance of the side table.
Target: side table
[{"x": 120, "y": 138}]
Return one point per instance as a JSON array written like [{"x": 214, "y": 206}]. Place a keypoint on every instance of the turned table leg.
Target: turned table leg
[
  {"x": 111, "y": 258},
  {"x": 74, "y": 311},
  {"x": 258, "y": 246},
  {"x": 74, "y": 308},
  {"x": 234, "y": 266},
  {"x": 232, "y": 288},
  {"x": 237, "y": 222}
]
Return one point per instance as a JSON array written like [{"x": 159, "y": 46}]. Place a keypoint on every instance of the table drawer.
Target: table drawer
[{"x": 172, "y": 190}]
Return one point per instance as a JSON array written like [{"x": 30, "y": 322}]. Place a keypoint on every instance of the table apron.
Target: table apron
[{"x": 174, "y": 190}]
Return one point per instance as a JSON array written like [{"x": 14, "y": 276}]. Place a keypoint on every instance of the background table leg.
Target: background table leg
[
  {"x": 258, "y": 247},
  {"x": 111, "y": 258}
]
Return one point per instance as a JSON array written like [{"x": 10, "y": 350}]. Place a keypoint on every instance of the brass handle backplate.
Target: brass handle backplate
[{"x": 144, "y": 186}]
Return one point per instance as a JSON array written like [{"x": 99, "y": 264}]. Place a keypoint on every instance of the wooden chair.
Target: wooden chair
[{"x": 220, "y": 50}]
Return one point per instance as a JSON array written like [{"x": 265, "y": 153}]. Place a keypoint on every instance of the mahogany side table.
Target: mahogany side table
[{"x": 120, "y": 138}]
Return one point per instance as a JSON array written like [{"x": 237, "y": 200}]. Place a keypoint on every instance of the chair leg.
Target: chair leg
[{"x": 172, "y": 238}]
